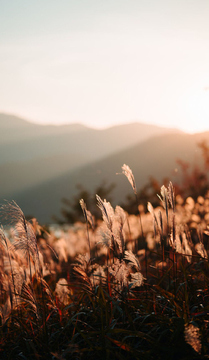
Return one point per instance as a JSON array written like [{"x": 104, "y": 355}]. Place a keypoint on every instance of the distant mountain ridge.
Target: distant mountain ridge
[
  {"x": 35, "y": 155},
  {"x": 29, "y": 130},
  {"x": 25, "y": 129},
  {"x": 27, "y": 141},
  {"x": 8, "y": 121},
  {"x": 154, "y": 157}
]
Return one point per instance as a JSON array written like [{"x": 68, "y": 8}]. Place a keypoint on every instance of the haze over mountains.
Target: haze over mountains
[{"x": 39, "y": 164}]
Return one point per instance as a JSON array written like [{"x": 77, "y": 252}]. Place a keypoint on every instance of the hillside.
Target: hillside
[
  {"x": 16, "y": 129},
  {"x": 32, "y": 154},
  {"x": 20, "y": 139},
  {"x": 154, "y": 157}
]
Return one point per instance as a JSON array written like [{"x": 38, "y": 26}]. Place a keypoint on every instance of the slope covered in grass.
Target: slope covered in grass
[{"x": 135, "y": 293}]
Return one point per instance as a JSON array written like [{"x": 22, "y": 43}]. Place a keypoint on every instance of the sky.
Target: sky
[{"x": 103, "y": 63}]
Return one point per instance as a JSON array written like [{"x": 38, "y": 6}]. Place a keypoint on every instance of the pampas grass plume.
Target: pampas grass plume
[{"x": 128, "y": 173}]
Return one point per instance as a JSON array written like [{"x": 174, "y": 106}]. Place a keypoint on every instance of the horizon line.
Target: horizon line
[{"x": 34, "y": 122}]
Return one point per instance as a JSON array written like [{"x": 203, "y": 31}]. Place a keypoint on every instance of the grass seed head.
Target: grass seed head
[
  {"x": 128, "y": 173},
  {"x": 192, "y": 337}
]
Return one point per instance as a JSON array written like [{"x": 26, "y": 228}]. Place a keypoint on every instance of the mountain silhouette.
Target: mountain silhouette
[
  {"x": 153, "y": 157},
  {"x": 33, "y": 154}
]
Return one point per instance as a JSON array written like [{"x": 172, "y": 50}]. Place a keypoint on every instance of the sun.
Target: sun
[{"x": 195, "y": 109}]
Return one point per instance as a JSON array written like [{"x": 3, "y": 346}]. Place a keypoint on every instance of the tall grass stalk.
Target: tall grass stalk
[
  {"x": 83, "y": 206},
  {"x": 129, "y": 174}
]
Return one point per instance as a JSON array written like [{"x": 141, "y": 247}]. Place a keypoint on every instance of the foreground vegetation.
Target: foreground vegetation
[{"x": 125, "y": 287}]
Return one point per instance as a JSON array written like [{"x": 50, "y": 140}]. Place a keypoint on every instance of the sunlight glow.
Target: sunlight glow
[{"x": 108, "y": 63}]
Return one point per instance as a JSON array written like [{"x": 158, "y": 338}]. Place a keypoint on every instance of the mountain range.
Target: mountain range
[{"x": 40, "y": 164}]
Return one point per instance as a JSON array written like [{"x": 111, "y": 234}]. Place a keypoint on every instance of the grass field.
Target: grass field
[{"x": 126, "y": 287}]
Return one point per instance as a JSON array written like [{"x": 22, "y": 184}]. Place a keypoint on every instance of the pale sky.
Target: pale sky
[{"x": 106, "y": 62}]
